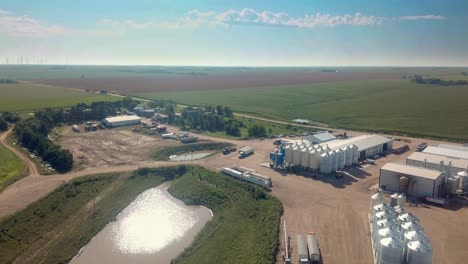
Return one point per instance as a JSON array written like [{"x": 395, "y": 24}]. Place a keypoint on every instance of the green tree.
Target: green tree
[{"x": 257, "y": 131}]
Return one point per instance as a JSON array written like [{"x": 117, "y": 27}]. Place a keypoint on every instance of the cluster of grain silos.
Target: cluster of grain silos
[
  {"x": 396, "y": 235},
  {"x": 320, "y": 158}
]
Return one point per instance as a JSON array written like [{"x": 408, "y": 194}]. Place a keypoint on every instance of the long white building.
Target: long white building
[
  {"x": 437, "y": 162},
  {"x": 118, "y": 121}
]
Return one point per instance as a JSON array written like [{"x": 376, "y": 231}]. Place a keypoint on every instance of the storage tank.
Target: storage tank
[
  {"x": 399, "y": 210},
  {"x": 314, "y": 161},
  {"x": 339, "y": 158},
  {"x": 391, "y": 251},
  {"x": 394, "y": 200},
  {"x": 349, "y": 156},
  {"x": 334, "y": 160},
  {"x": 407, "y": 217},
  {"x": 376, "y": 199},
  {"x": 414, "y": 235},
  {"x": 325, "y": 163},
  {"x": 289, "y": 154},
  {"x": 302, "y": 253},
  {"x": 380, "y": 208},
  {"x": 410, "y": 226},
  {"x": 418, "y": 252},
  {"x": 355, "y": 154},
  {"x": 343, "y": 158},
  {"x": 383, "y": 223},
  {"x": 463, "y": 180},
  {"x": 296, "y": 156},
  {"x": 401, "y": 200},
  {"x": 305, "y": 157}
]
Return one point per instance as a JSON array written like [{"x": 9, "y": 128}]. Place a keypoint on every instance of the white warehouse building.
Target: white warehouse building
[
  {"x": 320, "y": 137},
  {"x": 437, "y": 162},
  {"x": 414, "y": 181},
  {"x": 336, "y": 154},
  {"x": 118, "y": 121}
]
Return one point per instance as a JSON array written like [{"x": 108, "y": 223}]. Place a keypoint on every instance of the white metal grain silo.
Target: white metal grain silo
[
  {"x": 418, "y": 252},
  {"x": 376, "y": 199},
  {"x": 379, "y": 234},
  {"x": 383, "y": 223},
  {"x": 296, "y": 156},
  {"x": 399, "y": 211},
  {"x": 393, "y": 199},
  {"x": 288, "y": 154},
  {"x": 401, "y": 200},
  {"x": 334, "y": 160},
  {"x": 325, "y": 163},
  {"x": 407, "y": 217},
  {"x": 314, "y": 161},
  {"x": 348, "y": 156},
  {"x": 305, "y": 158},
  {"x": 340, "y": 160},
  {"x": 411, "y": 226},
  {"x": 343, "y": 158},
  {"x": 355, "y": 154},
  {"x": 391, "y": 251}
]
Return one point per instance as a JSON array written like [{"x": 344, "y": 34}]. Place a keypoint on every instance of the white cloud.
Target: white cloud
[
  {"x": 25, "y": 26},
  {"x": 423, "y": 17}
]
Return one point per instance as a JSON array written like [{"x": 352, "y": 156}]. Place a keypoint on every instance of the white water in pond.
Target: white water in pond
[{"x": 154, "y": 228}]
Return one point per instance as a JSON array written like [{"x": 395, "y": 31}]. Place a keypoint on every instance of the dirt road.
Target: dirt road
[{"x": 30, "y": 164}]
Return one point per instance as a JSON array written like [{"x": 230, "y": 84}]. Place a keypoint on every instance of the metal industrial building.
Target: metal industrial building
[
  {"x": 320, "y": 137},
  {"x": 119, "y": 121},
  {"x": 368, "y": 145},
  {"x": 448, "y": 152},
  {"x": 414, "y": 181},
  {"x": 437, "y": 162},
  {"x": 451, "y": 146}
]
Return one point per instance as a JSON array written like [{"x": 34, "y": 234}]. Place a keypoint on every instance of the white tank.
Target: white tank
[
  {"x": 379, "y": 234},
  {"x": 305, "y": 158},
  {"x": 379, "y": 208},
  {"x": 407, "y": 217},
  {"x": 314, "y": 160},
  {"x": 413, "y": 235},
  {"x": 296, "y": 156},
  {"x": 339, "y": 157},
  {"x": 376, "y": 199},
  {"x": 343, "y": 158},
  {"x": 463, "y": 179},
  {"x": 418, "y": 252},
  {"x": 399, "y": 210},
  {"x": 394, "y": 200},
  {"x": 355, "y": 154},
  {"x": 334, "y": 158},
  {"x": 383, "y": 223},
  {"x": 391, "y": 251},
  {"x": 401, "y": 200},
  {"x": 288, "y": 154},
  {"x": 349, "y": 156},
  {"x": 325, "y": 163},
  {"x": 411, "y": 226}
]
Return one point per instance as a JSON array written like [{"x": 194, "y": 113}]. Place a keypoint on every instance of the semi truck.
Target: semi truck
[
  {"x": 245, "y": 151},
  {"x": 314, "y": 252},
  {"x": 302, "y": 254}
]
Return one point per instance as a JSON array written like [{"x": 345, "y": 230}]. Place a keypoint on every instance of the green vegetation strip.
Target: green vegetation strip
[
  {"x": 52, "y": 230},
  {"x": 166, "y": 152},
  {"x": 11, "y": 167}
]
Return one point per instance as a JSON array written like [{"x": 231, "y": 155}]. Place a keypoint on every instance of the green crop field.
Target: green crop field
[
  {"x": 11, "y": 167},
  {"x": 27, "y": 97},
  {"x": 397, "y": 106}
]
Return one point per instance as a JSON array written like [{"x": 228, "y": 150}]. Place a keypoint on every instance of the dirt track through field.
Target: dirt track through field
[{"x": 175, "y": 83}]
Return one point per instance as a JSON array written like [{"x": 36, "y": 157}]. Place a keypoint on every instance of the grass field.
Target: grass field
[
  {"x": 54, "y": 229},
  {"x": 165, "y": 153},
  {"x": 11, "y": 167},
  {"x": 28, "y": 97},
  {"x": 245, "y": 225},
  {"x": 397, "y": 106}
]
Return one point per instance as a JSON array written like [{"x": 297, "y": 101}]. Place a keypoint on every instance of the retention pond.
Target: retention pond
[{"x": 154, "y": 228}]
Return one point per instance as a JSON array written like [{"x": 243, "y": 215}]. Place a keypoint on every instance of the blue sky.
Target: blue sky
[{"x": 236, "y": 33}]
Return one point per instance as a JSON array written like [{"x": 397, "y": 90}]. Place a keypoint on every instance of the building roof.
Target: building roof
[
  {"x": 320, "y": 137},
  {"x": 412, "y": 171},
  {"x": 453, "y": 153},
  {"x": 362, "y": 142},
  {"x": 451, "y": 146},
  {"x": 122, "y": 118},
  {"x": 436, "y": 159}
]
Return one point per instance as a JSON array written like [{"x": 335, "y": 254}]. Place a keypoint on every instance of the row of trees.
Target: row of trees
[
  {"x": 33, "y": 133},
  {"x": 7, "y": 81},
  {"x": 436, "y": 81}
]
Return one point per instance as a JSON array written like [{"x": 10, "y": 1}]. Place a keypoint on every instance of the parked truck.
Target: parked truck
[
  {"x": 245, "y": 151},
  {"x": 314, "y": 252},
  {"x": 302, "y": 254},
  {"x": 76, "y": 128}
]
